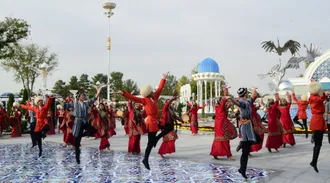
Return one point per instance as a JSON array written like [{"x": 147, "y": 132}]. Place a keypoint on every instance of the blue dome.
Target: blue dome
[{"x": 208, "y": 65}]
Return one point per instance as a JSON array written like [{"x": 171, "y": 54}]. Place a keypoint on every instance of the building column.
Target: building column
[
  {"x": 205, "y": 99},
  {"x": 216, "y": 89},
  {"x": 211, "y": 97}
]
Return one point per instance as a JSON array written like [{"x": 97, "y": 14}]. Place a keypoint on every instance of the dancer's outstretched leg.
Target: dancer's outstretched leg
[{"x": 39, "y": 141}]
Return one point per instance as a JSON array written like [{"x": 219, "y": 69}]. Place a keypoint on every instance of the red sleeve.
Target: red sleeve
[
  {"x": 27, "y": 107},
  {"x": 134, "y": 98},
  {"x": 166, "y": 106},
  {"x": 160, "y": 88},
  {"x": 201, "y": 107},
  {"x": 189, "y": 104},
  {"x": 48, "y": 103},
  {"x": 130, "y": 106},
  {"x": 294, "y": 98}
]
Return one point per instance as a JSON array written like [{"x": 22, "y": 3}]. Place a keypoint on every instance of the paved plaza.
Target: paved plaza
[{"x": 191, "y": 162}]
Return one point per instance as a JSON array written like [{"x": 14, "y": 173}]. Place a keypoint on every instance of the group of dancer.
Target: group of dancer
[{"x": 92, "y": 118}]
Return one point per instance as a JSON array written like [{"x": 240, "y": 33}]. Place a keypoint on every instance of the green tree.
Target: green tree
[
  {"x": 25, "y": 96},
  {"x": 12, "y": 30},
  {"x": 26, "y": 62},
  {"x": 84, "y": 81},
  {"x": 116, "y": 80},
  {"x": 61, "y": 88},
  {"x": 74, "y": 83},
  {"x": 130, "y": 86},
  {"x": 102, "y": 79},
  {"x": 181, "y": 82},
  {"x": 10, "y": 102},
  {"x": 170, "y": 86}
]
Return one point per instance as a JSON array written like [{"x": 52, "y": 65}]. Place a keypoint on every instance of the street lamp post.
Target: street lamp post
[{"x": 108, "y": 6}]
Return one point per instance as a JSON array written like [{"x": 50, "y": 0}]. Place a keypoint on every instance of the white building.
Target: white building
[{"x": 319, "y": 70}]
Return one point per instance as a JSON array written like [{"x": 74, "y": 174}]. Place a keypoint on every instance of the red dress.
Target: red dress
[
  {"x": 224, "y": 131},
  {"x": 194, "y": 118},
  {"x": 288, "y": 127},
  {"x": 302, "y": 106},
  {"x": 69, "y": 139},
  {"x": 274, "y": 139},
  {"x": 318, "y": 109},
  {"x": 3, "y": 116},
  {"x": 150, "y": 106},
  {"x": 258, "y": 128},
  {"x": 41, "y": 114},
  {"x": 134, "y": 133},
  {"x": 63, "y": 126},
  {"x": 15, "y": 123},
  {"x": 168, "y": 144},
  {"x": 103, "y": 128},
  {"x": 112, "y": 122},
  {"x": 92, "y": 116},
  {"x": 50, "y": 123},
  {"x": 60, "y": 116}
]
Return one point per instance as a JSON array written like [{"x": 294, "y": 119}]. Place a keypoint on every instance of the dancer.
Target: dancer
[
  {"x": 194, "y": 117},
  {"x": 41, "y": 127},
  {"x": 288, "y": 127},
  {"x": 32, "y": 124},
  {"x": 246, "y": 127},
  {"x": 15, "y": 121},
  {"x": 103, "y": 125},
  {"x": 275, "y": 130},
  {"x": 150, "y": 103},
  {"x": 169, "y": 118},
  {"x": 67, "y": 128},
  {"x": 3, "y": 116},
  {"x": 60, "y": 116},
  {"x": 327, "y": 116},
  {"x": 80, "y": 113},
  {"x": 224, "y": 130},
  {"x": 317, "y": 122},
  {"x": 301, "y": 115},
  {"x": 112, "y": 121},
  {"x": 134, "y": 120},
  {"x": 257, "y": 126},
  {"x": 51, "y": 124}
]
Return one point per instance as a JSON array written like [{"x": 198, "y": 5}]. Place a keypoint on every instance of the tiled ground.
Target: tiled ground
[{"x": 18, "y": 163}]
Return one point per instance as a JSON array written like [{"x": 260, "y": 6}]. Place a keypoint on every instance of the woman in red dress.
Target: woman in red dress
[
  {"x": 50, "y": 123},
  {"x": 288, "y": 127},
  {"x": 68, "y": 121},
  {"x": 103, "y": 127},
  {"x": 317, "y": 123},
  {"x": 302, "y": 115},
  {"x": 224, "y": 130},
  {"x": 169, "y": 117},
  {"x": 274, "y": 140},
  {"x": 258, "y": 127},
  {"x": 112, "y": 121},
  {"x": 194, "y": 117},
  {"x": 134, "y": 132},
  {"x": 3, "y": 116},
  {"x": 60, "y": 116},
  {"x": 15, "y": 121}
]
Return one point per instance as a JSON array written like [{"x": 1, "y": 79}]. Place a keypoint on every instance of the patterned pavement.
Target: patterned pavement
[{"x": 18, "y": 163}]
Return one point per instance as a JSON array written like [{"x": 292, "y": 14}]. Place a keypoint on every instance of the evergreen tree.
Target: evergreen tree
[{"x": 10, "y": 102}]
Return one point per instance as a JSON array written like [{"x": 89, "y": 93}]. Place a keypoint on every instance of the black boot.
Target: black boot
[
  {"x": 239, "y": 147},
  {"x": 329, "y": 140},
  {"x": 146, "y": 163},
  {"x": 312, "y": 139},
  {"x": 316, "y": 153},
  {"x": 40, "y": 153},
  {"x": 77, "y": 155},
  {"x": 284, "y": 145},
  {"x": 242, "y": 169}
]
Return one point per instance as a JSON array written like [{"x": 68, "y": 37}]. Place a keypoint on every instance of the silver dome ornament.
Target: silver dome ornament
[{"x": 285, "y": 86}]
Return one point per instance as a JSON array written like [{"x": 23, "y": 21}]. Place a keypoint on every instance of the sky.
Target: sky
[{"x": 152, "y": 37}]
